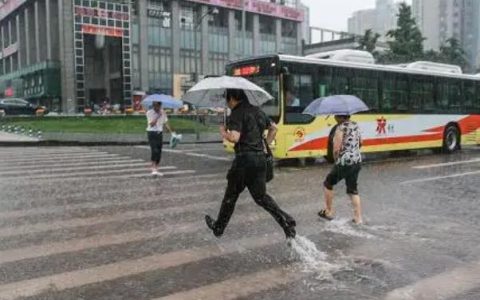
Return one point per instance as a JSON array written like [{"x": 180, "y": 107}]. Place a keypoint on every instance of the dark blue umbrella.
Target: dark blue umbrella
[
  {"x": 166, "y": 100},
  {"x": 336, "y": 105}
]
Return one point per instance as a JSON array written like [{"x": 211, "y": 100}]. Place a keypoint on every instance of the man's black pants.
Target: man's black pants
[
  {"x": 155, "y": 139},
  {"x": 249, "y": 170}
]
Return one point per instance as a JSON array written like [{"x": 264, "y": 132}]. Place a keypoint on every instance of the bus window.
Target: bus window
[
  {"x": 298, "y": 94},
  {"x": 476, "y": 103},
  {"x": 364, "y": 85},
  {"x": 395, "y": 93},
  {"x": 422, "y": 94},
  {"x": 340, "y": 81},
  {"x": 469, "y": 94},
  {"x": 449, "y": 96}
]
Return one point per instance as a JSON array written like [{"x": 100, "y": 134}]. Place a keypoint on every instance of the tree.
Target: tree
[
  {"x": 452, "y": 52},
  {"x": 368, "y": 42},
  {"x": 407, "y": 40}
]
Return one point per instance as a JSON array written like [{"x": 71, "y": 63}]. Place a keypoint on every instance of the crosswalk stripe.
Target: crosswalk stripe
[
  {"x": 120, "y": 217},
  {"x": 87, "y": 173},
  {"x": 63, "y": 158},
  {"x": 59, "y": 155},
  {"x": 97, "y": 241},
  {"x": 454, "y": 163},
  {"x": 70, "y": 164},
  {"x": 127, "y": 164},
  {"x": 446, "y": 285},
  {"x": 41, "y": 150},
  {"x": 242, "y": 286},
  {"x": 86, "y": 178},
  {"x": 175, "y": 189},
  {"x": 78, "y": 278}
]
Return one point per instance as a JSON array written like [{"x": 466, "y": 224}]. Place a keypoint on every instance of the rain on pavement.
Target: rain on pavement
[{"x": 91, "y": 223}]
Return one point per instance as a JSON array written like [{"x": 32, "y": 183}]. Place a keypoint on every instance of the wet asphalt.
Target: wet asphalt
[{"x": 91, "y": 223}]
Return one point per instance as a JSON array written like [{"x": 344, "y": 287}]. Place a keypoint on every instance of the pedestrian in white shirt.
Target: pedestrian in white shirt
[{"x": 157, "y": 119}]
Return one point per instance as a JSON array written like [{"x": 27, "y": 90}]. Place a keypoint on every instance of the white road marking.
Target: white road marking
[
  {"x": 97, "y": 241},
  {"x": 73, "y": 164},
  {"x": 440, "y": 177},
  {"x": 472, "y": 161},
  {"x": 79, "y": 174},
  {"x": 242, "y": 286},
  {"x": 78, "y": 278},
  {"x": 446, "y": 285},
  {"x": 55, "y": 158},
  {"x": 85, "y": 178},
  {"x": 126, "y": 164}
]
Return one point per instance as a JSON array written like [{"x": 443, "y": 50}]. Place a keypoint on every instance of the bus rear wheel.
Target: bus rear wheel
[{"x": 451, "y": 139}]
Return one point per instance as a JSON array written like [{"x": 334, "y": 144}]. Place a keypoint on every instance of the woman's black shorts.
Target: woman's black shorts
[{"x": 349, "y": 173}]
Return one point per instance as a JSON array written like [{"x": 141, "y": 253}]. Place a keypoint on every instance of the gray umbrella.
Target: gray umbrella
[
  {"x": 210, "y": 91},
  {"x": 336, "y": 105}
]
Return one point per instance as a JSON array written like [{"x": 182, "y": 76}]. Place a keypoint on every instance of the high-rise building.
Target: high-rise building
[
  {"x": 70, "y": 54},
  {"x": 380, "y": 19},
  {"x": 440, "y": 20},
  {"x": 361, "y": 21}
]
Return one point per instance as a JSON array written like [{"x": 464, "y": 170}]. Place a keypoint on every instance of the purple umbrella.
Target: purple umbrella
[{"x": 336, "y": 105}]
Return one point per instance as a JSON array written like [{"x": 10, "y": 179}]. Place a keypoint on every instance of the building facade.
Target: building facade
[
  {"x": 440, "y": 20},
  {"x": 73, "y": 54},
  {"x": 380, "y": 19}
]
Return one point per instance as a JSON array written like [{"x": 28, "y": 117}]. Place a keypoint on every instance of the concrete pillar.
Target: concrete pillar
[
  {"x": 36, "y": 32},
  {"x": 27, "y": 37},
  {"x": 48, "y": 31},
  {"x": 231, "y": 36},
  {"x": 256, "y": 34},
  {"x": 299, "y": 38},
  {"x": 54, "y": 30},
  {"x": 143, "y": 44},
  {"x": 66, "y": 46},
  {"x": 278, "y": 35},
  {"x": 175, "y": 37},
  {"x": 4, "y": 44},
  {"x": 42, "y": 30},
  {"x": 19, "y": 41},
  {"x": 204, "y": 50},
  {"x": 10, "y": 35},
  {"x": 107, "y": 74}
]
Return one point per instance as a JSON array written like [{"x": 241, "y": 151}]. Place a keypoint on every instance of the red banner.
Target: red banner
[
  {"x": 101, "y": 30},
  {"x": 259, "y": 7}
]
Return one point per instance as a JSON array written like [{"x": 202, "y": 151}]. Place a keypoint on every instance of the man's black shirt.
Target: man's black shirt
[{"x": 251, "y": 122}]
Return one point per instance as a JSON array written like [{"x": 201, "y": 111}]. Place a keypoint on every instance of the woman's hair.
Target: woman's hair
[
  {"x": 238, "y": 94},
  {"x": 343, "y": 117}
]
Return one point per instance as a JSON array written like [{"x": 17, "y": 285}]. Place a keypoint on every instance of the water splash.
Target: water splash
[{"x": 346, "y": 227}]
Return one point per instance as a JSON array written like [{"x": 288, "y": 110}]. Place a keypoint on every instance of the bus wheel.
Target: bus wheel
[
  {"x": 309, "y": 161},
  {"x": 451, "y": 139}
]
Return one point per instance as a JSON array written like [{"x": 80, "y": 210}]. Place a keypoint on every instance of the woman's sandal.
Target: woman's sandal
[{"x": 323, "y": 214}]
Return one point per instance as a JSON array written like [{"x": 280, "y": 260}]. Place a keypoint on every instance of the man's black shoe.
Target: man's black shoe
[
  {"x": 211, "y": 224},
  {"x": 290, "y": 232}
]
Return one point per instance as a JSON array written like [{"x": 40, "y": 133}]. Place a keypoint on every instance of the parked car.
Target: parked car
[{"x": 17, "y": 106}]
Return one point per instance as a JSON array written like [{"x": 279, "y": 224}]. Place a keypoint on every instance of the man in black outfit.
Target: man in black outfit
[{"x": 245, "y": 129}]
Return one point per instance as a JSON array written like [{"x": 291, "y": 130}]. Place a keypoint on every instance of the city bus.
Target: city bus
[{"x": 412, "y": 106}]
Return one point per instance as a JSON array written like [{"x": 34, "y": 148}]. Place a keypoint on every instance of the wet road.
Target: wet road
[{"x": 90, "y": 223}]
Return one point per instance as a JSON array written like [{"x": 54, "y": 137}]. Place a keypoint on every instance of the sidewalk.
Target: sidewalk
[
  {"x": 89, "y": 139},
  {"x": 6, "y": 137}
]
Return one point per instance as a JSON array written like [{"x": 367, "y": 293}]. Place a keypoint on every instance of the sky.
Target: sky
[{"x": 333, "y": 14}]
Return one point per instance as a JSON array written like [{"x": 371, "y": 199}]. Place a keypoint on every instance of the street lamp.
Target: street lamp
[{"x": 212, "y": 11}]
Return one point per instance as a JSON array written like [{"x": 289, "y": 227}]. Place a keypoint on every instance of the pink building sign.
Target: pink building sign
[{"x": 260, "y": 7}]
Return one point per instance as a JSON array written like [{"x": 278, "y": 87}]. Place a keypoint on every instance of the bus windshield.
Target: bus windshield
[
  {"x": 264, "y": 74},
  {"x": 269, "y": 83}
]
